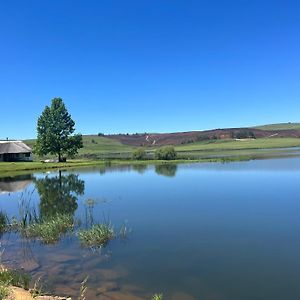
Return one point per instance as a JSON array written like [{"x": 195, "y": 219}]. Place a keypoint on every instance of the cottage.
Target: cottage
[{"x": 15, "y": 151}]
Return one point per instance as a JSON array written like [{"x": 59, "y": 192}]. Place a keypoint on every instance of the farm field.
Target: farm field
[
  {"x": 263, "y": 143},
  {"x": 279, "y": 126}
]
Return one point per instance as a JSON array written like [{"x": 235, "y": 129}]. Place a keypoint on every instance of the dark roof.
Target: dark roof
[{"x": 14, "y": 147}]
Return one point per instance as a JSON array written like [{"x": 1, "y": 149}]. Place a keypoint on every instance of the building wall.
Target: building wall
[{"x": 16, "y": 157}]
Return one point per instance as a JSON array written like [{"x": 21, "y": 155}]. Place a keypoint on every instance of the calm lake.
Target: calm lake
[{"x": 208, "y": 231}]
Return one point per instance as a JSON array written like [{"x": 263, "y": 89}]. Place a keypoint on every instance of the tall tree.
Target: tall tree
[{"x": 54, "y": 132}]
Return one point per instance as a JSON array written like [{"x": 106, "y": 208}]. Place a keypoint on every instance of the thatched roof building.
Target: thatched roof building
[{"x": 15, "y": 151}]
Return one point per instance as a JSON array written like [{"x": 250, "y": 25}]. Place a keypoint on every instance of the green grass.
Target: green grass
[
  {"x": 95, "y": 146},
  {"x": 6, "y": 168},
  {"x": 279, "y": 126},
  {"x": 239, "y": 149},
  {"x": 195, "y": 152},
  {"x": 97, "y": 236},
  {"x": 15, "y": 278},
  {"x": 157, "y": 297},
  {"x": 264, "y": 143},
  {"x": 50, "y": 230},
  {"x": 4, "y": 291},
  {"x": 12, "y": 278}
]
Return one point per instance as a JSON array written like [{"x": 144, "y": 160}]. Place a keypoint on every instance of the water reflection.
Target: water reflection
[
  {"x": 140, "y": 168},
  {"x": 168, "y": 170},
  {"x": 15, "y": 184},
  {"x": 59, "y": 194}
]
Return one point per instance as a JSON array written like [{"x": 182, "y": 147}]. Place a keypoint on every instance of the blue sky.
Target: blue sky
[{"x": 154, "y": 66}]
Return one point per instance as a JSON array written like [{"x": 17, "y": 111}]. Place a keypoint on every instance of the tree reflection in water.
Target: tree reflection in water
[
  {"x": 168, "y": 170},
  {"x": 59, "y": 194}
]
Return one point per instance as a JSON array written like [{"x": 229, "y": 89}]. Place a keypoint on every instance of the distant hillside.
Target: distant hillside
[
  {"x": 92, "y": 143},
  {"x": 181, "y": 138},
  {"x": 279, "y": 126},
  {"x": 121, "y": 145}
]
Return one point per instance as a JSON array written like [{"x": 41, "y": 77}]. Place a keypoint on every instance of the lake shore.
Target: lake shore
[{"x": 15, "y": 168}]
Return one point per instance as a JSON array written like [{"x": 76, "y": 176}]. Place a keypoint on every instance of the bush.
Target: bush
[
  {"x": 139, "y": 154},
  {"x": 166, "y": 153}
]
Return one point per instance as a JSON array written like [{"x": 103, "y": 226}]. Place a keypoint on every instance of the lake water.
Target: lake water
[{"x": 201, "y": 231}]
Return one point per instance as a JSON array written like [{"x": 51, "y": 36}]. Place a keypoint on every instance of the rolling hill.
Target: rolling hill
[
  {"x": 193, "y": 143},
  {"x": 279, "y": 126}
]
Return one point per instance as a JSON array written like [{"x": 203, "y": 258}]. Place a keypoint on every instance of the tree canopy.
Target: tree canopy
[
  {"x": 166, "y": 153},
  {"x": 139, "y": 154},
  {"x": 54, "y": 132}
]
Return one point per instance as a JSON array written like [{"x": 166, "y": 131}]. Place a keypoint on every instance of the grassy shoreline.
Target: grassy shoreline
[
  {"x": 185, "y": 154},
  {"x": 15, "y": 168}
]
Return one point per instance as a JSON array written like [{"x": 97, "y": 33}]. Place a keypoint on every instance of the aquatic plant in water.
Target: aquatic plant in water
[
  {"x": 83, "y": 288},
  {"x": 49, "y": 230},
  {"x": 157, "y": 297},
  {"x": 97, "y": 236},
  {"x": 3, "y": 221}
]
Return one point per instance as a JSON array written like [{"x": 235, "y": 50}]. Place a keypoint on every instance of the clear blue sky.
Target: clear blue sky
[{"x": 149, "y": 65}]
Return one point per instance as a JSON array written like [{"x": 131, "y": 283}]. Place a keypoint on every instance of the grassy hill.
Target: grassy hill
[
  {"x": 279, "y": 126},
  {"x": 263, "y": 143},
  {"x": 95, "y": 146},
  {"x": 194, "y": 144}
]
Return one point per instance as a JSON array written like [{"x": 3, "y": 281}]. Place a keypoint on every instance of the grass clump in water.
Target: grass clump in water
[
  {"x": 97, "y": 236},
  {"x": 157, "y": 297},
  {"x": 3, "y": 221},
  {"x": 50, "y": 230}
]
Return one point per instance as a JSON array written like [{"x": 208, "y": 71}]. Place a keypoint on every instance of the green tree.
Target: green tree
[
  {"x": 139, "y": 154},
  {"x": 54, "y": 132},
  {"x": 166, "y": 153}
]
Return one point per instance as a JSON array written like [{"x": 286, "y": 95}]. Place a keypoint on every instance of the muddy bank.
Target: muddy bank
[{"x": 17, "y": 293}]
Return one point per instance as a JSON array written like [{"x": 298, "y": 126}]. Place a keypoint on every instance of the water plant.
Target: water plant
[
  {"x": 83, "y": 288},
  {"x": 49, "y": 230},
  {"x": 37, "y": 288},
  {"x": 14, "y": 277},
  {"x": 97, "y": 236},
  {"x": 3, "y": 221},
  {"x": 157, "y": 297}
]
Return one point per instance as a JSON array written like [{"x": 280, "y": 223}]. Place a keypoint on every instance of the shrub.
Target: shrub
[
  {"x": 166, "y": 153},
  {"x": 139, "y": 154}
]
